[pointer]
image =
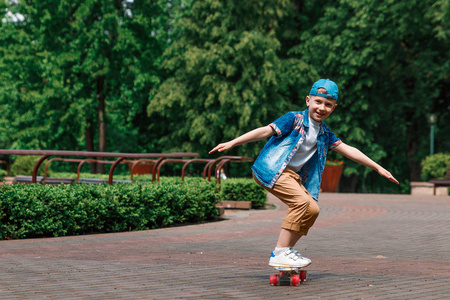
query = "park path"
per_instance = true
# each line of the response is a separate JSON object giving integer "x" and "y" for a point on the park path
{"x": 363, "y": 246}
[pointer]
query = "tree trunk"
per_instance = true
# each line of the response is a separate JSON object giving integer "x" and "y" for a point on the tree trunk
{"x": 412, "y": 148}
{"x": 101, "y": 121}
{"x": 89, "y": 135}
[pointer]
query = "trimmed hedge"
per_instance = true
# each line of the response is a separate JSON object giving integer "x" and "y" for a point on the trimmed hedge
{"x": 243, "y": 189}
{"x": 35, "y": 210}
{"x": 236, "y": 189}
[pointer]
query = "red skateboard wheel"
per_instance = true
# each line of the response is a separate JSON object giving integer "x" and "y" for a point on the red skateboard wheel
{"x": 295, "y": 280}
{"x": 274, "y": 280}
{"x": 303, "y": 275}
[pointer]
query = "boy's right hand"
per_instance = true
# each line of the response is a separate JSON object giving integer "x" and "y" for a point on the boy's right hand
{"x": 221, "y": 147}
{"x": 251, "y": 136}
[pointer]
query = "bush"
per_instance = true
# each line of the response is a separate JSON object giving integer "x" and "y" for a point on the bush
{"x": 243, "y": 189}
{"x": 435, "y": 166}
{"x": 35, "y": 210}
{"x": 24, "y": 165}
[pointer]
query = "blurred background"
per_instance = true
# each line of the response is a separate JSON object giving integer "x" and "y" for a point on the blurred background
{"x": 169, "y": 75}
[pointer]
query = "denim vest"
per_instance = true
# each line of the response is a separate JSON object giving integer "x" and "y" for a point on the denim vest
{"x": 290, "y": 132}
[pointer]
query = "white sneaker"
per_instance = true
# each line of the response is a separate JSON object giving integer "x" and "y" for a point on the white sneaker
{"x": 289, "y": 259}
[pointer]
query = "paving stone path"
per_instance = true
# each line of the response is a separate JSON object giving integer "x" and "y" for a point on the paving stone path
{"x": 363, "y": 246}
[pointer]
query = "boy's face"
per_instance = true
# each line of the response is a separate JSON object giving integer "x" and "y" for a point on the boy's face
{"x": 320, "y": 107}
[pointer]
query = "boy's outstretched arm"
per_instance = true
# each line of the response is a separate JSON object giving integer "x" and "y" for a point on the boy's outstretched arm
{"x": 359, "y": 157}
{"x": 251, "y": 136}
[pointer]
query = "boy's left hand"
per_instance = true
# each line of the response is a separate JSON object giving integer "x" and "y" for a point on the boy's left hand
{"x": 385, "y": 173}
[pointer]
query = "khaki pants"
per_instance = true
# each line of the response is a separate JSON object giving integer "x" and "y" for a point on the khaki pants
{"x": 303, "y": 209}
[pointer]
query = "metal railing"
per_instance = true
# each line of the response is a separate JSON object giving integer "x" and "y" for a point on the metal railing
{"x": 45, "y": 154}
{"x": 157, "y": 160}
{"x": 220, "y": 161}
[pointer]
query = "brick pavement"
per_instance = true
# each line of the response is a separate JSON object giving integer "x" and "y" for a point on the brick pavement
{"x": 363, "y": 246}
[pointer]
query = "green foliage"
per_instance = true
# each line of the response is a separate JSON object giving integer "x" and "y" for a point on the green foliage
{"x": 243, "y": 189}
{"x": 385, "y": 58}
{"x": 64, "y": 58}
{"x": 24, "y": 165}
{"x": 186, "y": 75}
{"x": 225, "y": 75}
{"x": 435, "y": 166}
{"x": 35, "y": 210}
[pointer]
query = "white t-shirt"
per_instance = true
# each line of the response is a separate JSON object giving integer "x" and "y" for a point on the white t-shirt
{"x": 307, "y": 148}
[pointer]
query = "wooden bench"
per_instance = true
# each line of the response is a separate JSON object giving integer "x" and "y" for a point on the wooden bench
{"x": 441, "y": 182}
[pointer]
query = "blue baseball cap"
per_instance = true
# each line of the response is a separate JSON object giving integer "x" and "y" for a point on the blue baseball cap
{"x": 330, "y": 86}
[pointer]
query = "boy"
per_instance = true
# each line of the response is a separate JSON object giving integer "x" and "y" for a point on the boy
{"x": 290, "y": 165}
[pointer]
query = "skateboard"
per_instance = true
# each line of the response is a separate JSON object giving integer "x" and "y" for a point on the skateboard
{"x": 288, "y": 276}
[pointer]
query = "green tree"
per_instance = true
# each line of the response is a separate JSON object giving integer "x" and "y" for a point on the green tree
{"x": 225, "y": 76}
{"x": 388, "y": 62}
{"x": 439, "y": 14}
{"x": 185, "y": 75}
{"x": 72, "y": 66}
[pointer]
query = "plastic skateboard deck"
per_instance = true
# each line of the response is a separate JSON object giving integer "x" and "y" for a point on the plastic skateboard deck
{"x": 288, "y": 276}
